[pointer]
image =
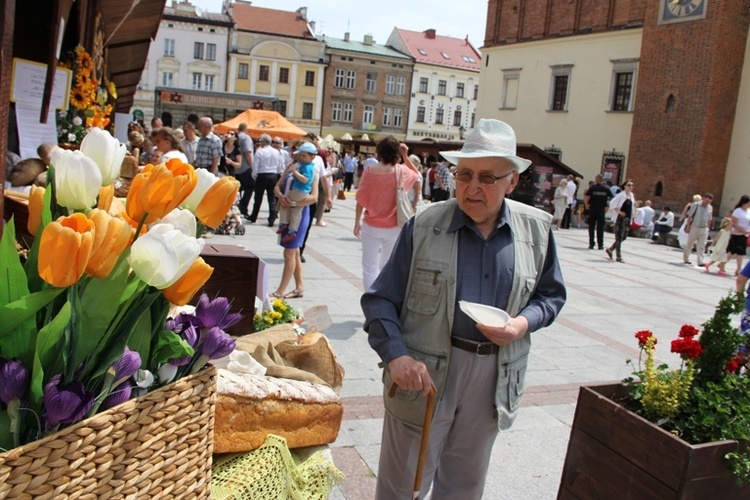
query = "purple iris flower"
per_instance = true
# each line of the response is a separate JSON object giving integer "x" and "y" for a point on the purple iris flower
{"x": 118, "y": 395}
{"x": 215, "y": 312}
{"x": 127, "y": 365}
{"x": 65, "y": 404}
{"x": 217, "y": 344}
{"x": 14, "y": 380}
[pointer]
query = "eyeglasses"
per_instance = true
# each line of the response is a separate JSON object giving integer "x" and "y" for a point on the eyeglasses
{"x": 485, "y": 179}
{"x": 276, "y": 142}
{"x": 629, "y": 184}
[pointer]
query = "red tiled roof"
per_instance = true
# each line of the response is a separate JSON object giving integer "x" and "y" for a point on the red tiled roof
{"x": 262, "y": 20}
{"x": 460, "y": 52}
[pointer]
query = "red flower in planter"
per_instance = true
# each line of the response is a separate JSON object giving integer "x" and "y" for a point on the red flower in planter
{"x": 687, "y": 347}
{"x": 688, "y": 331}
{"x": 735, "y": 364}
{"x": 643, "y": 337}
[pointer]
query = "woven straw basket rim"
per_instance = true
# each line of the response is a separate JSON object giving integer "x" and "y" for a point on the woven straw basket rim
{"x": 156, "y": 446}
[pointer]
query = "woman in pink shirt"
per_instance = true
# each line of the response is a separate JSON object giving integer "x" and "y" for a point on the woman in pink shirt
{"x": 376, "y": 198}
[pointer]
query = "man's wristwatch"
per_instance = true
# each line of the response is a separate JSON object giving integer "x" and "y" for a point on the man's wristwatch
{"x": 293, "y": 203}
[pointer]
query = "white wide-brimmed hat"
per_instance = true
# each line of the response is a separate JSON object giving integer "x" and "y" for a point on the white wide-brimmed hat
{"x": 490, "y": 138}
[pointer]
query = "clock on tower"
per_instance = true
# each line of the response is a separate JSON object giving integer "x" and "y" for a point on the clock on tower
{"x": 674, "y": 11}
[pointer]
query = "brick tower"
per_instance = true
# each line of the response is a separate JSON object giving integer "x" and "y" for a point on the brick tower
{"x": 689, "y": 74}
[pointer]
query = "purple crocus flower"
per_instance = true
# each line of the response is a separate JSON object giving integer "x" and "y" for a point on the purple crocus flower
{"x": 127, "y": 365}
{"x": 14, "y": 380}
{"x": 118, "y": 395}
{"x": 216, "y": 344}
{"x": 215, "y": 312}
{"x": 189, "y": 332}
{"x": 65, "y": 404}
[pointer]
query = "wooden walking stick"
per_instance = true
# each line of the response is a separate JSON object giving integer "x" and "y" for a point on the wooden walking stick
{"x": 426, "y": 424}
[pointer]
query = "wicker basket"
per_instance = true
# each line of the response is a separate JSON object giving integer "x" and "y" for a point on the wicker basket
{"x": 155, "y": 446}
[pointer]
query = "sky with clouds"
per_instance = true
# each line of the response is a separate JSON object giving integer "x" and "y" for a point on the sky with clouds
{"x": 336, "y": 17}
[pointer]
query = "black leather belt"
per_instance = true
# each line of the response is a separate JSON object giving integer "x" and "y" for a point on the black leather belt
{"x": 478, "y": 348}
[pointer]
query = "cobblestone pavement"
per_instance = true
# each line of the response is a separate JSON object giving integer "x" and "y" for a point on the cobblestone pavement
{"x": 588, "y": 344}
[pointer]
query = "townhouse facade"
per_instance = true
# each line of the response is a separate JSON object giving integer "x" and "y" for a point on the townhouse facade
{"x": 657, "y": 91}
{"x": 445, "y": 84}
{"x": 366, "y": 89}
{"x": 186, "y": 66}
{"x": 275, "y": 55}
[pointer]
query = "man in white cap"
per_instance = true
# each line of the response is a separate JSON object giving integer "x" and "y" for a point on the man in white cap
{"x": 481, "y": 248}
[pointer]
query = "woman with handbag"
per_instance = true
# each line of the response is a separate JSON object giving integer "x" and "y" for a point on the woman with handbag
{"x": 382, "y": 189}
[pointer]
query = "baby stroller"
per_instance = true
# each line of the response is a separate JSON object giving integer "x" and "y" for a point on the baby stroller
{"x": 231, "y": 223}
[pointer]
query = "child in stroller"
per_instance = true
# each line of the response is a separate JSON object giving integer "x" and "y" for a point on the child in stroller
{"x": 232, "y": 222}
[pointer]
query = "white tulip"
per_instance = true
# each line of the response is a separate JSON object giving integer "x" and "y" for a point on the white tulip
{"x": 167, "y": 373}
{"x": 182, "y": 220}
{"x": 144, "y": 379}
{"x": 106, "y": 151}
{"x": 161, "y": 256}
{"x": 205, "y": 180}
{"x": 77, "y": 179}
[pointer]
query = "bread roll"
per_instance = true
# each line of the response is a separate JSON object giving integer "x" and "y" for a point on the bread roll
{"x": 249, "y": 407}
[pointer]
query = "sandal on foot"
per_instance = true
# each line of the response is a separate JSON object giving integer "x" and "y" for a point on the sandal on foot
{"x": 274, "y": 295}
{"x": 295, "y": 294}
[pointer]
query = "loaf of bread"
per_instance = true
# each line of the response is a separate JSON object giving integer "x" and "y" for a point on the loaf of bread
{"x": 249, "y": 407}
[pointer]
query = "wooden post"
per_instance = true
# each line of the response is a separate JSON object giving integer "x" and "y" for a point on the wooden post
{"x": 7, "y": 20}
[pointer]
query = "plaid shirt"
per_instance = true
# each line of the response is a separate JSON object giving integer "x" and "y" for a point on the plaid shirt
{"x": 208, "y": 148}
{"x": 444, "y": 174}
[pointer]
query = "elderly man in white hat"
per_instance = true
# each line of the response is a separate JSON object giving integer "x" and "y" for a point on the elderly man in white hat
{"x": 436, "y": 316}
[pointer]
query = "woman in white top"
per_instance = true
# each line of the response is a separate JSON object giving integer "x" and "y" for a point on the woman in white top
{"x": 167, "y": 146}
{"x": 560, "y": 202}
{"x": 623, "y": 206}
{"x": 738, "y": 233}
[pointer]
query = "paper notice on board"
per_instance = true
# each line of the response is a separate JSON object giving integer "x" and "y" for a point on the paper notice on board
{"x": 28, "y": 82}
{"x": 31, "y": 133}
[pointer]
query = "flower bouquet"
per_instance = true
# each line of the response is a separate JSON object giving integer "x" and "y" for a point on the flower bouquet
{"x": 84, "y": 319}
{"x": 89, "y": 102}
{"x": 281, "y": 312}
{"x": 707, "y": 398}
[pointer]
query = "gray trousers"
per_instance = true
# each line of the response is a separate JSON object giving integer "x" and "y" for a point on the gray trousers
{"x": 461, "y": 438}
{"x": 697, "y": 236}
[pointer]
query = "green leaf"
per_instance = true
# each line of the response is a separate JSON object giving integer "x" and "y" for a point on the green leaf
{"x": 6, "y": 438}
{"x": 140, "y": 339}
{"x": 47, "y": 358}
{"x": 15, "y": 313}
{"x": 136, "y": 325}
{"x": 99, "y": 306}
{"x": 12, "y": 276}
{"x": 18, "y": 329}
{"x": 169, "y": 345}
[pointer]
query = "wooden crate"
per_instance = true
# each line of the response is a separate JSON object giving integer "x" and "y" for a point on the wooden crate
{"x": 235, "y": 276}
{"x": 18, "y": 208}
{"x": 614, "y": 453}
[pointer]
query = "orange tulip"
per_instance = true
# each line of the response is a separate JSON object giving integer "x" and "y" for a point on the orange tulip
{"x": 159, "y": 189}
{"x": 65, "y": 249}
{"x": 217, "y": 201}
{"x": 106, "y": 195}
{"x": 111, "y": 237}
{"x": 36, "y": 204}
{"x": 181, "y": 291}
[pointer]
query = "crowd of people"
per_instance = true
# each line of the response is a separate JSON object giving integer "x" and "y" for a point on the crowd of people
{"x": 411, "y": 264}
